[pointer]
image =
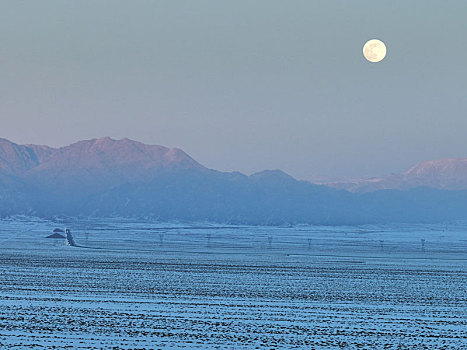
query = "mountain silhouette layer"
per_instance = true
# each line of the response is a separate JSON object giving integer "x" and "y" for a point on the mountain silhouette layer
{"x": 106, "y": 177}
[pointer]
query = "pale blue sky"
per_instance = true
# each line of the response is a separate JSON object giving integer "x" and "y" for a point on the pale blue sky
{"x": 241, "y": 85}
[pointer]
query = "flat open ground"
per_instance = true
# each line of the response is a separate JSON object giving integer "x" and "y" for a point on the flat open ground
{"x": 149, "y": 285}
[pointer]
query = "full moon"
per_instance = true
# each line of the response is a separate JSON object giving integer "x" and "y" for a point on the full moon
{"x": 374, "y": 50}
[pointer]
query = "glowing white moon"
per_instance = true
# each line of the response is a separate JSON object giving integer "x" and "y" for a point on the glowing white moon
{"x": 374, "y": 50}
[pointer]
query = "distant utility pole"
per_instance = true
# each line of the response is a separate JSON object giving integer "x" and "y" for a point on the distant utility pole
{"x": 161, "y": 238}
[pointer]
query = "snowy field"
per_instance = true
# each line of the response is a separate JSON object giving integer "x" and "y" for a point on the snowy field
{"x": 147, "y": 285}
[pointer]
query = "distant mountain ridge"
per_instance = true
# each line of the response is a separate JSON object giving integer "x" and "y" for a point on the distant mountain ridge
{"x": 98, "y": 162}
{"x": 106, "y": 177}
{"x": 441, "y": 174}
{"x": 21, "y": 160}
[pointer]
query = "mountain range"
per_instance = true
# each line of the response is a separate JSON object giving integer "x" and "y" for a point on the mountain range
{"x": 106, "y": 177}
{"x": 442, "y": 174}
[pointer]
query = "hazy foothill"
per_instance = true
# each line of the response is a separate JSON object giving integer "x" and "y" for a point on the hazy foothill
{"x": 106, "y": 177}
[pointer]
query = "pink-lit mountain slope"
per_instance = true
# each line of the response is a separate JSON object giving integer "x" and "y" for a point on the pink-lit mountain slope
{"x": 102, "y": 163}
{"x": 442, "y": 174}
{"x": 16, "y": 159}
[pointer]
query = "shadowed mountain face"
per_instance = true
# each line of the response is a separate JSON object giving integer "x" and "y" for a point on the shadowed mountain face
{"x": 442, "y": 174}
{"x": 106, "y": 177}
{"x": 14, "y": 195}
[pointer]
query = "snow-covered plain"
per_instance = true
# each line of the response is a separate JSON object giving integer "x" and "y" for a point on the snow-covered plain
{"x": 149, "y": 285}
